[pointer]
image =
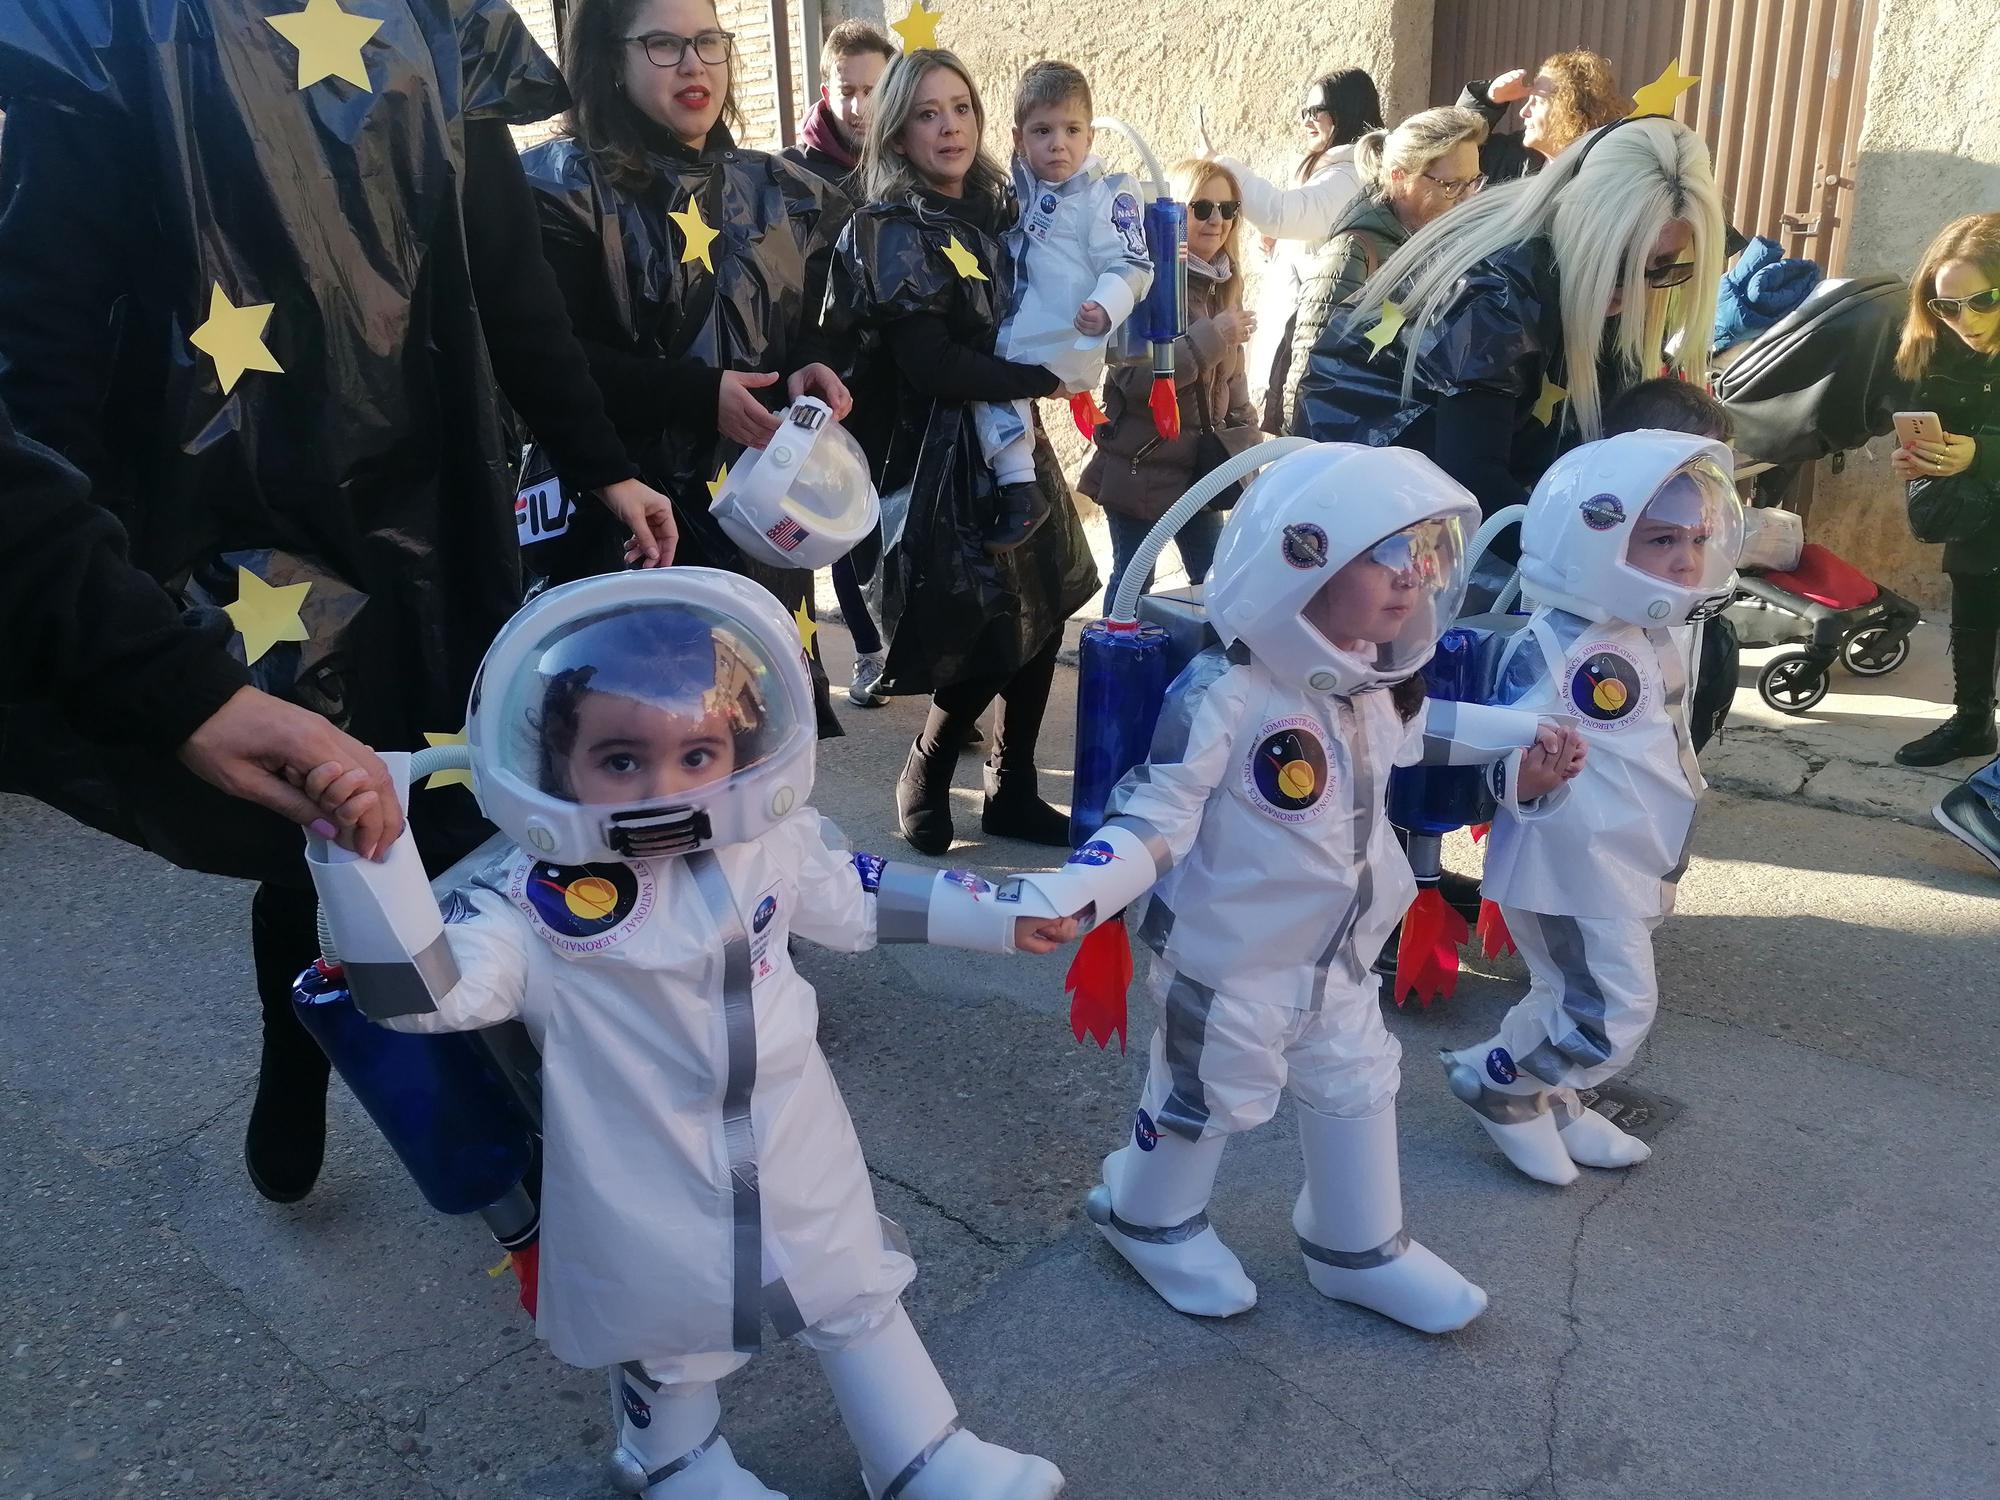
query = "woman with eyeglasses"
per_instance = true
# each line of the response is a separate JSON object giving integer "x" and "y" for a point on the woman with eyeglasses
{"x": 1133, "y": 472}
{"x": 1950, "y": 351}
{"x": 1425, "y": 166}
{"x": 1495, "y": 336}
{"x": 1293, "y": 221}
{"x": 694, "y": 269}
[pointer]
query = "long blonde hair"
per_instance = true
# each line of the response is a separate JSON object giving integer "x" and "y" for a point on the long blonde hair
{"x": 1601, "y": 205}
{"x": 886, "y": 174}
{"x": 1187, "y": 177}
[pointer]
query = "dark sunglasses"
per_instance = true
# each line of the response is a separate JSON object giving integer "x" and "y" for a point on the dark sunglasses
{"x": 1310, "y": 114}
{"x": 1953, "y": 308}
{"x": 1229, "y": 208}
{"x": 1455, "y": 188}
{"x": 1678, "y": 274}
{"x": 665, "y": 50}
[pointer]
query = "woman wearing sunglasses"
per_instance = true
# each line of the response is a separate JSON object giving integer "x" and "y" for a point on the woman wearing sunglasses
{"x": 1410, "y": 175}
{"x": 1133, "y": 472}
{"x": 1337, "y": 111}
{"x": 1950, "y": 350}
{"x": 694, "y": 270}
{"x": 1495, "y": 336}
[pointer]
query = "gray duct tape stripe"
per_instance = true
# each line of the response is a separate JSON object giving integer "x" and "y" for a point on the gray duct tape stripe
{"x": 1151, "y": 837}
{"x": 1565, "y": 1106}
{"x": 783, "y": 1308}
{"x": 1587, "y": 1045}
{"x": 903, "y": 904}
{"x": 1367, "y": 804}
{"x": 1440, "y": 731}
{"x": 1508, "y": 1109}
{"x": 1185, "y": 1035}
{"x": 674, "y": 1466}
{"x": 637, "y": 1371}
{"x": 915, "y": 1466}
{"x": 410, "y": 988}
{"x": 1357, "y": 1260}
{"x": 1156, "y": 925}
{"x": 1171, "y": 1234}
{"x": 739, "y": 1134}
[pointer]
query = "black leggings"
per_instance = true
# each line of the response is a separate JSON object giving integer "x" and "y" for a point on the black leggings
{"x": 854, "y": 607}
{"x": 1025, "y": 697}
{"x": 1975, "y": 639}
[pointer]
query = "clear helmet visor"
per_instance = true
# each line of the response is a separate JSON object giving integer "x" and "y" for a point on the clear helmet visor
{"x": 832, "y": 489}
{"x": 1389, "y": 604}
{"x": 646, "y": 703}
{"x": 1691, "y": 532}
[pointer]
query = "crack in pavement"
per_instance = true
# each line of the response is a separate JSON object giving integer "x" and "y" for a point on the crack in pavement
{"x": 946, "y": 1214}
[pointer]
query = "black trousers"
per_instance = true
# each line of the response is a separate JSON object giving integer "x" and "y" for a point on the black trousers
{"x": 1024, "y": 696}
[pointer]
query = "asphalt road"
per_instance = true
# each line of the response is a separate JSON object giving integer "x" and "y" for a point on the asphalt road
{"x": 1795, "y": 1298}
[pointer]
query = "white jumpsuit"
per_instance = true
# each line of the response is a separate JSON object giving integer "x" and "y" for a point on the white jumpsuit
{"x": 701, "y": 1174}
{"x": 1078, "y": 241}
{"x": 1583, "y": 885}
{"x": 1285, "y": 880}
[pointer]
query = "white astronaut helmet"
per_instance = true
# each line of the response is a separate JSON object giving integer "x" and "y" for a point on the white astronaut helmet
{"x": 805, "y": 499}
{"x": 641, "y": 714}
{"x": 1644, "y": 527}
{"x": 1304, "y": 519}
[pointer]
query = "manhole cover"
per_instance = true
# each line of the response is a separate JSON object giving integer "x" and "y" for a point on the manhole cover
{"x": 1632, "y": 1110}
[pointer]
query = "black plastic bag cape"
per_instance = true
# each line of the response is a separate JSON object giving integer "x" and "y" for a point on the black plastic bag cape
{"x": 1502, "y": 332}
{"x": 950, "y": 611}
{"x": 371, "y": 465}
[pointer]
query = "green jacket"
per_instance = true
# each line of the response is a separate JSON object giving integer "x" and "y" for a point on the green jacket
{"x": 1367, "y": 234}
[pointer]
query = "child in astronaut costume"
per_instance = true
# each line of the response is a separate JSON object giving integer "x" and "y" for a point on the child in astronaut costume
{"x": 1626, "y": 541}
{"x": 1258, "y": 823}
{"x": 1080, "y": 268}
{"x": 647, "y": 739}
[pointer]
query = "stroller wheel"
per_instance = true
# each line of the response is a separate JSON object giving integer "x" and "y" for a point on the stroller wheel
{"x": 1791, "y": 683}
{"x": 1870, "y": 653}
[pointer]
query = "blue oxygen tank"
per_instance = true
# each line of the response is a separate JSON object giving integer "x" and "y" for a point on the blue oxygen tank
{"x": 1162, "y": 317}
{"x": 1430, "y": 801}
{"x": 439, "y": 1099}
{"x": 1121, "y": 683}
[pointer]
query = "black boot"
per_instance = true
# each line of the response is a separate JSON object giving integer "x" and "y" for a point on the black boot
{"x": 1015, "y": 810}
{"x": 286, "y": 1140}
{"x": 1021, "y": 510}
{"x": 1969, "y": 731}
{"x": 923, "y": 791}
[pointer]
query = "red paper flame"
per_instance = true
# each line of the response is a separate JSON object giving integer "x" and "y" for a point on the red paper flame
{"x": 1087, "y": 414}
{"x": 1427, "y": 956}
{"x": 1098, "y": 979}
{"x": 1494, "y": 938}
{"x": 1166, "y": 404}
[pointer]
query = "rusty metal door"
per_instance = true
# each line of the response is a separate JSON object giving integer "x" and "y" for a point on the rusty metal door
{"x": 1783, "y": 83}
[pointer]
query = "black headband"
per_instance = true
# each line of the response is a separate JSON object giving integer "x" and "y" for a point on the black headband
{"x": 1599, "y": 134}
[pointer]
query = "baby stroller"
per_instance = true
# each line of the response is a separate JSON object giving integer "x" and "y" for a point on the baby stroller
{"x": 1817, "y": 383}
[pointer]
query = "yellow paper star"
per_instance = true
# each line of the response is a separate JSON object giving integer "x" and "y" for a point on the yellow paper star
{"x": 963, "y": 261}
{"x": 918, "y": 28}
{"x": 1383, "y": 334}
{"x": 461, "y": 777}
{"x": 1552, "y": 396}
{"x": 234, "y": 338}
{"x": 695, "y": 230}
{"x": 808, "y": 627}
{"x": 329, "y": 42}
{"x": 715, "y": 485}
{"x": 1657, "y": 97}
{"x": 264, "y": 615}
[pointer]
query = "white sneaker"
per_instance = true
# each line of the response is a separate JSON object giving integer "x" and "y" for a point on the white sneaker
{"x": 861, "y": 687}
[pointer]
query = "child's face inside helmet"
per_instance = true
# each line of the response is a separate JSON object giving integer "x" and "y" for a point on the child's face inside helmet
{"x": 1675, "y": 537}
{"x": 1370, "y": 600}
{"x": 629, "y": 751}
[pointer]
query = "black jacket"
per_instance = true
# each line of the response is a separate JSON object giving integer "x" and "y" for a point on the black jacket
{"x": 951, "y": 612}
{"x": 1963, "y": 388}
{"x": 180, "y": 163}
{"x": 1502, "y": 156}
{"x": 1366, "y": 234}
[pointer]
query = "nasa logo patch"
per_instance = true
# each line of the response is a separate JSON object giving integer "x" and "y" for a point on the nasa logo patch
{"x": 869, "y": 867}
{"x": 1304, "y": 545}
{"x": 583, "y": 909}
{"x": 1500, "y": 1066}
{"x": 979, "y": 885}
{"x": 1048, "y": 203}
{"x": 1287, "y": 774}
{"x": 1145, "y": 1134}
{"x": 637, "y": 1412}
{"x": 1603, "y": 512}
{"x": 1096, "y": 852}
{"x": 766, "y": 909}
{"x": 1605, "y": 687}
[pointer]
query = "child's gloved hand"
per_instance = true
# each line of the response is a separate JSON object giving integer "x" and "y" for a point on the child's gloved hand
{"x": 1092, "y": 320}
{"x": 1043, "y": 934}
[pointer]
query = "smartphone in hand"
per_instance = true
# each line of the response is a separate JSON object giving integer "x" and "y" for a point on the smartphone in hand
{"x": 1918, "y": 427}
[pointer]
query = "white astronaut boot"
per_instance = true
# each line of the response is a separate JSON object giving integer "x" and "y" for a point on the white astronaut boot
{"x": 1349, "y": 1220}
{"x": 905, "y": 1427}
{"x": 1516, "y": 1111}
{"x": 671, "y": 1447}
{"x": 1153, "y": 1208}
{"x": 1590, "y": 1139}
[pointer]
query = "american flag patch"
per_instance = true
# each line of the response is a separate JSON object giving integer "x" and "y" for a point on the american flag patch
{"x": 787, "y": 534}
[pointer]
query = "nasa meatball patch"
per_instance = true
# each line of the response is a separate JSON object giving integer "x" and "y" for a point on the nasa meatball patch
{"x": 1605, "y": 687}
{"x": 1304, "y": 545}
{"x": 1288, "y": 771}
{"x": 1603, "y": 512}
{"x": 583, "y": 909}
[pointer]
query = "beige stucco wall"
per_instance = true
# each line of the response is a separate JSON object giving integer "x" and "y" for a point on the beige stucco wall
{"x": 1930, "y": 151}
